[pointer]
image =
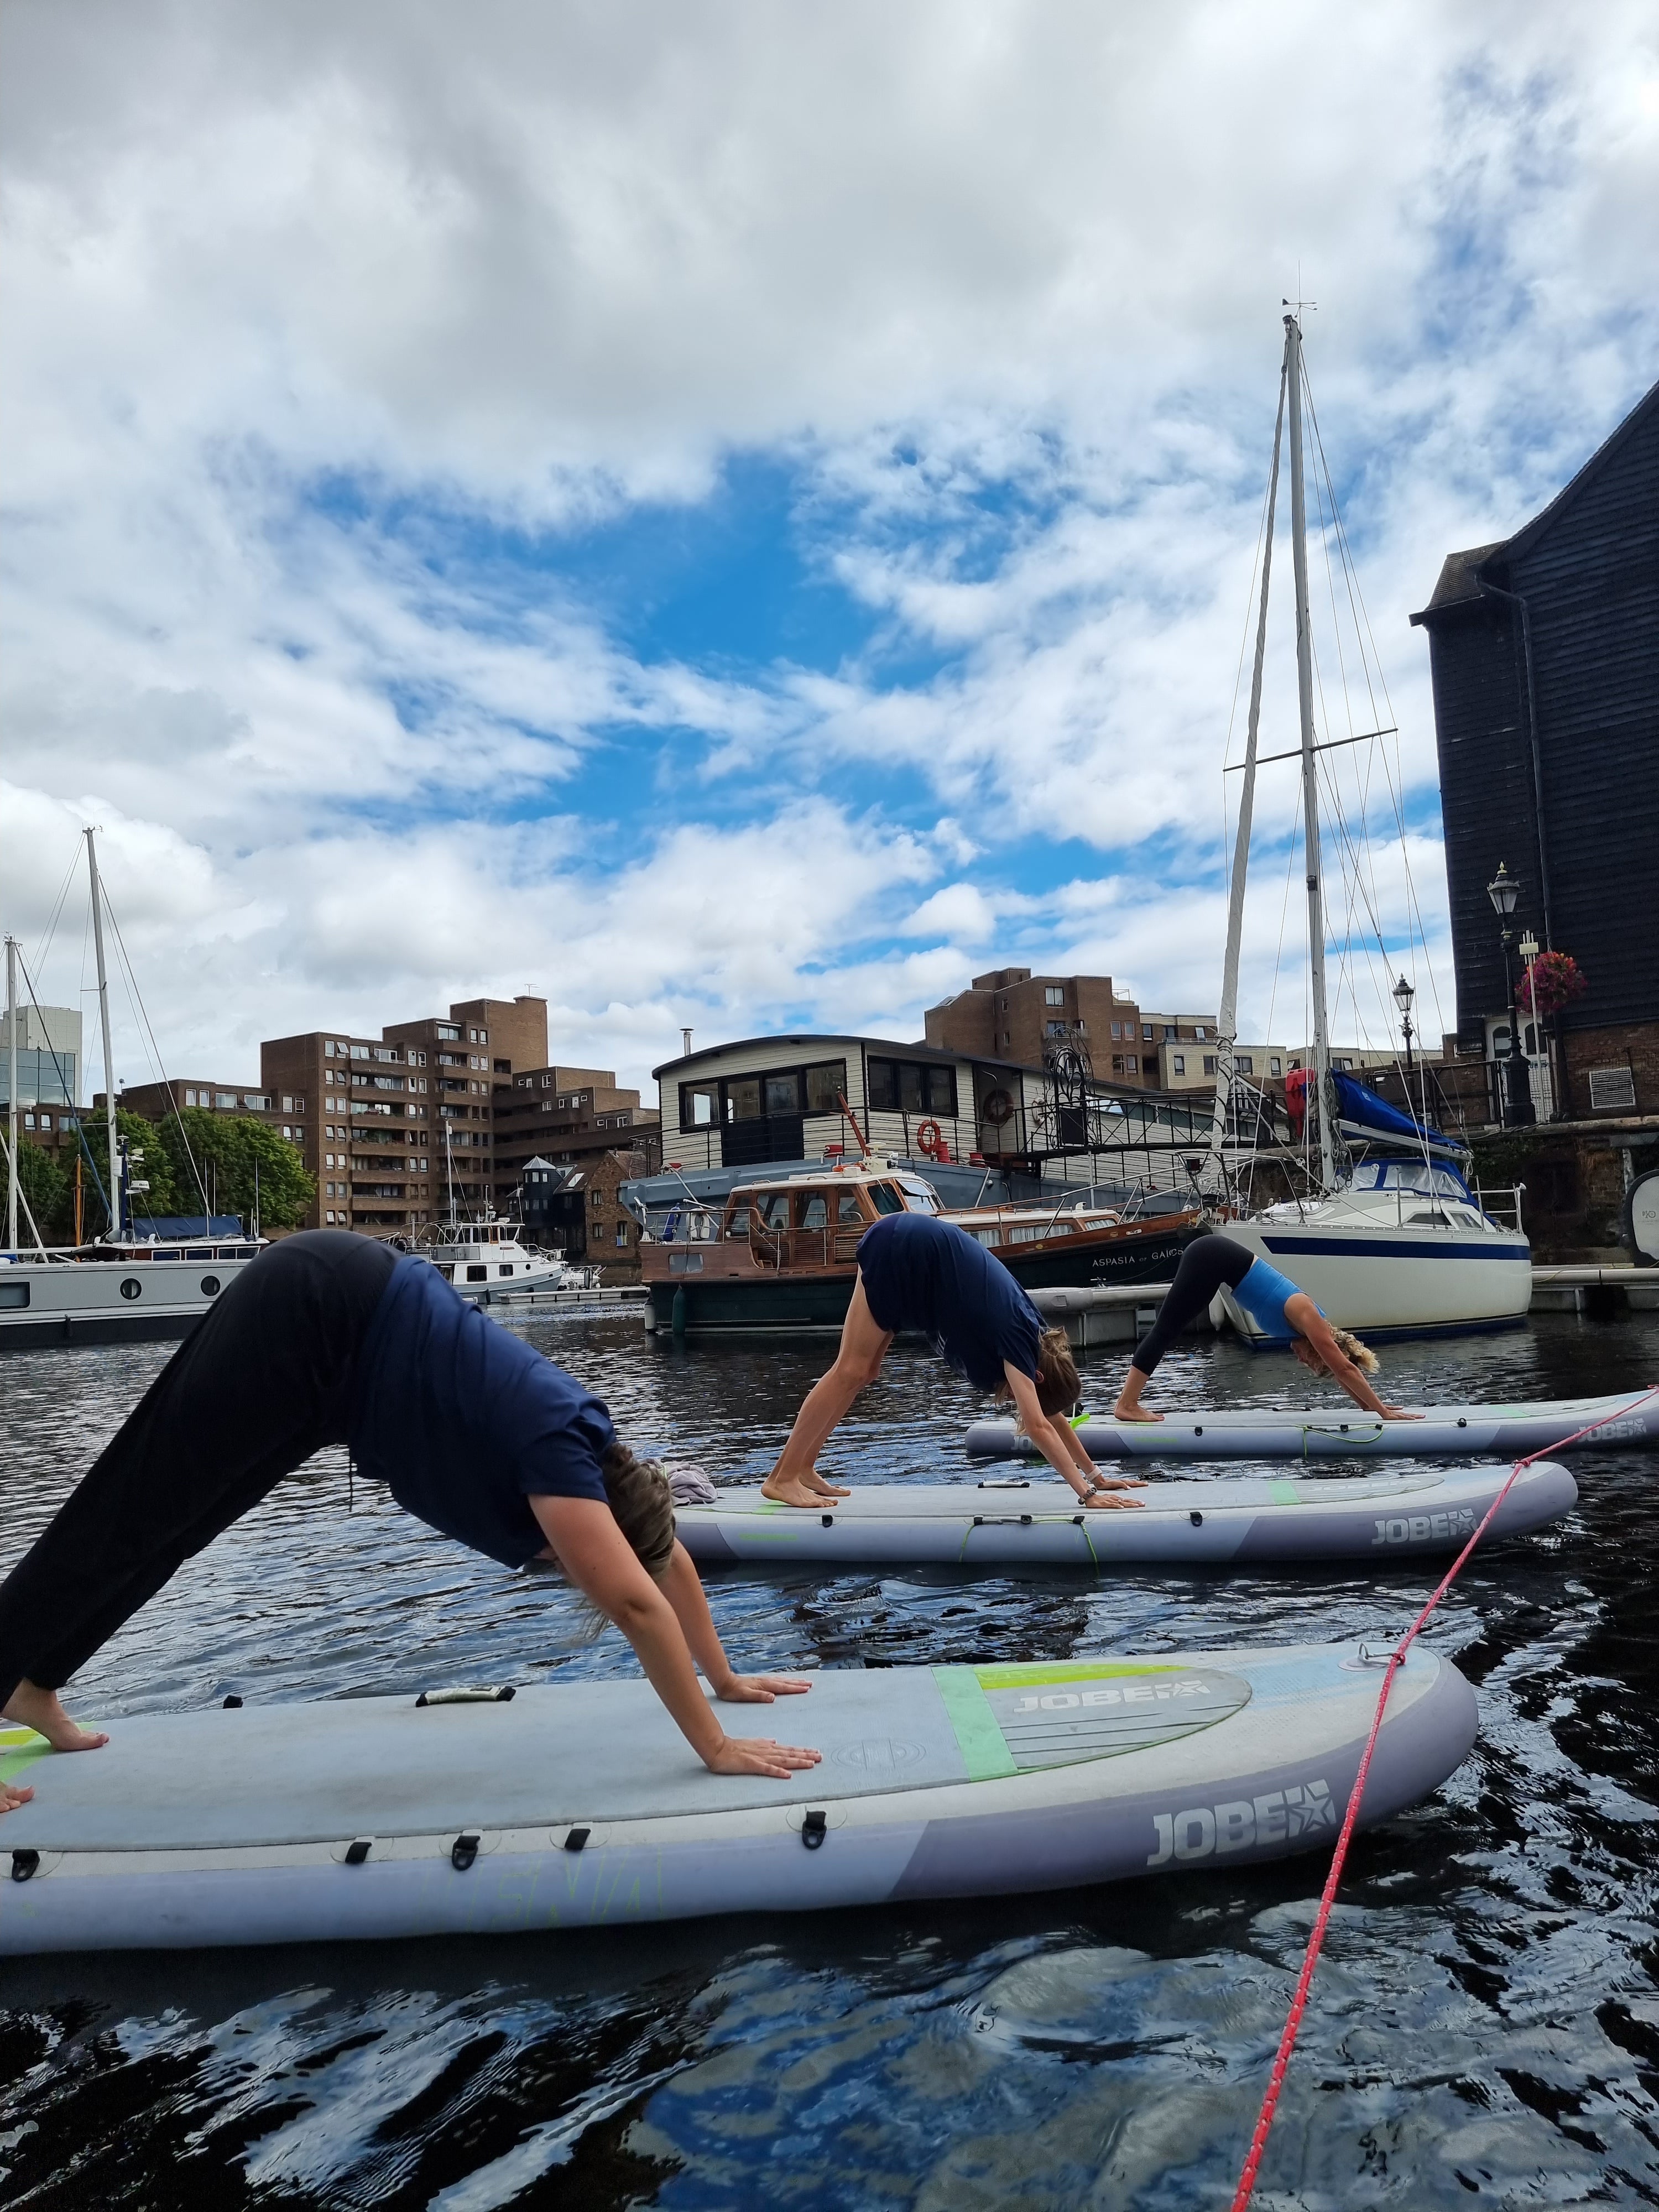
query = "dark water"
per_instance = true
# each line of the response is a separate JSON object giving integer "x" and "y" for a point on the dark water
{"x": 1484, "y": 2024}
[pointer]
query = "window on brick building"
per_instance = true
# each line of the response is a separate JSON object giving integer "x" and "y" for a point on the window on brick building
{"x": 1053, "y": 995}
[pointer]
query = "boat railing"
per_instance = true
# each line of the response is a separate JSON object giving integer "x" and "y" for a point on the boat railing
{"x": 1502, "y": 1206}
{"x": 783, "y": 1248}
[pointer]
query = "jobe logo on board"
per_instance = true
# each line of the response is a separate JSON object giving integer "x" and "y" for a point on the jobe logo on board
{"x": 1426, "y": 1528}
{"x": 1278, "y": 1816}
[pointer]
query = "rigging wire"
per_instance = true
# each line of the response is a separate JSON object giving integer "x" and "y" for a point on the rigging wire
{"x": 45, "y": 945}
{"x": 153, "y": 1053}
{"x": 1396, "y": 782}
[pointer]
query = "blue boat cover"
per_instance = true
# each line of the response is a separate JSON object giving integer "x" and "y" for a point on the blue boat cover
{"x": 1366, "y": 1112}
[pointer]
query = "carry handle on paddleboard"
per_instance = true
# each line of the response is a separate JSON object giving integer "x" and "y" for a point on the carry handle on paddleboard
{"x": 502, "y": 1693}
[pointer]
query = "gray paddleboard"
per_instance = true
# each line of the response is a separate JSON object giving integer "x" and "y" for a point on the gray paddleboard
{"x": 581, "y": 1806}
{"x": 1512, "y": 1431}
{"x": 1223, "y": 1520}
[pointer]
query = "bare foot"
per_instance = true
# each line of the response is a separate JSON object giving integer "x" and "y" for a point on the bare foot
{"x": 1121, "y": 1413}
{"x": 814, "y": 1480}
{"x": 41, "y": 1710}
{"x": 11, "y": 1796}
{"x": 794, "y": 1490}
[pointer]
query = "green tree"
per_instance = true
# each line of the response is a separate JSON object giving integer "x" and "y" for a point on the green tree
{"x": 147, "y": 1160}
{"x": 45, "y": 1187}
{"x": 227, "y": 1150}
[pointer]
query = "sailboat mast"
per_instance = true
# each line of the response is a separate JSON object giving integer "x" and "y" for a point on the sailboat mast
{"x": 11, "y": 1094}
{"x": 1318, "y": 1089}
{"x": 116, "y": 1207}
{"x": 1212, "y": 1177}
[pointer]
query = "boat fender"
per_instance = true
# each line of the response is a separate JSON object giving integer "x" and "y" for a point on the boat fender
{"x": 813, "y": 1829}
{"x": 358, "y": 1850}
{"x": 577, "y": 1838}
{"x": 464, "y": 1849}
{"x": 231, "y": 1702}
{"x": 27, "y": 1864}
{"x": 501, "y": 1693}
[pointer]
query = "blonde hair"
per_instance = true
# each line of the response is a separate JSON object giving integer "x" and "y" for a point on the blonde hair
{"x": 1361, "y": 1354}
{"x": 643, "y": 1505}
{"x": 1058, "y": 1386}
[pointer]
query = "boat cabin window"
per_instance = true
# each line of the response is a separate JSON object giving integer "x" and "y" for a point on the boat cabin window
{"x": 778, "y": 1094}
{"x": 478, "y": 1274}
{"x": 826, "y": 1084}
{"x": 742, "y": 1099}
{"x": 910, "y": 1086}
{"x": 919, "y": 1196}
{"x": 814, "y": 1211}
{"x": 848, "y": 1209}
{"x": 885, "y": 1198}
{"x": 738, "y": 1225}
{"x": 772, "y": 1211}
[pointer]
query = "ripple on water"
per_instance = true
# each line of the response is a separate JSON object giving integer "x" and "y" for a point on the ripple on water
{"x": 1484, "y": 2024}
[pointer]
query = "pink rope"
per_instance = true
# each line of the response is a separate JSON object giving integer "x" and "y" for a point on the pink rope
{"x": 1246, "y": 2188}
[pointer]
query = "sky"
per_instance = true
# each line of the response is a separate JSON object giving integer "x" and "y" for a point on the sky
{"x": 741, "y": 516}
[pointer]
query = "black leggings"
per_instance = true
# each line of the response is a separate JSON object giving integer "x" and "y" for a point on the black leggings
{"x": 1205, "y": 1265}
{"x": 264, "y": 1382}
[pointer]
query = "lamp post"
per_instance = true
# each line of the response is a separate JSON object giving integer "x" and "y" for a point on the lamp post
{"x": 1528, "y": 949}
{"x": 1403, "y": 996}
{"x": 1504, "y": 891}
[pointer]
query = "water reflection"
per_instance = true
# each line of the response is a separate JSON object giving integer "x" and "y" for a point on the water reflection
{"x": 1485, "y": 2021}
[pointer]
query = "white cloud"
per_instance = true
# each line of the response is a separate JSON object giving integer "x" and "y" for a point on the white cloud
{"x": 310, "y": 310}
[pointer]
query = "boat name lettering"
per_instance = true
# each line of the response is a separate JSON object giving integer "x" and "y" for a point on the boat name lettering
{"x": 1124, "y": 1694}
{"x": 1278, "y": 1816}
{"x": 1421, "y": 1527}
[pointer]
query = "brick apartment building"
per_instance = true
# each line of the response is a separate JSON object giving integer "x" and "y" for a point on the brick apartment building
{"x": 384, "y": 1122}
{"x": 1011, "y": 1014}
{"x": 567, "y": 1117}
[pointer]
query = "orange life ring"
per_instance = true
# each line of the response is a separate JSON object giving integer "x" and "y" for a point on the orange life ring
{"x": 998, "y": 1107}
{"x": 930, "y": 1137}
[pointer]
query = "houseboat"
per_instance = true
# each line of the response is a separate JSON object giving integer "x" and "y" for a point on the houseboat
{"x": 782, "y": 1253}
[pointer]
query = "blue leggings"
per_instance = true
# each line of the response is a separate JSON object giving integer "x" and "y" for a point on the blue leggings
{"x": 1205, "y": 1265}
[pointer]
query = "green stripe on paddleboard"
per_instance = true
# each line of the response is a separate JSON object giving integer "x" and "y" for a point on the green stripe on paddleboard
{"x": 20, "y": 1747}
{"x": 1019, "y": 1676}
{"x": 1284, "y": 1493}
{"x": 984, "y": 1753}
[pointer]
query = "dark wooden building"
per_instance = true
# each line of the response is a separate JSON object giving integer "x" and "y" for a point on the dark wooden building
{"x": 1544, "y": 652}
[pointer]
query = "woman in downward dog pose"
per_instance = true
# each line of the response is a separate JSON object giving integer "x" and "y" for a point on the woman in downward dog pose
{"x": 1283, "y": 1313}
{"x": 330, "y": 1339}
{"x": 916, "y": 1273}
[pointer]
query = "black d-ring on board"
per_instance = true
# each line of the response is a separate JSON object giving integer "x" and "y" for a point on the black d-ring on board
{"x": 814, "y": 1828}
{"x": 464, "y": 1849}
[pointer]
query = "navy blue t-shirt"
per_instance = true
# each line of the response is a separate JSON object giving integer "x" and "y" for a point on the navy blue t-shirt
{"x": 928, "y": 1275}
{"x": 464, "y": 1422}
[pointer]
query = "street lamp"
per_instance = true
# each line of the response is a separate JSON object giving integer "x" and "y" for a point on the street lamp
{"x": 1504, "y": 891}
{"x": 1403, "y": 996}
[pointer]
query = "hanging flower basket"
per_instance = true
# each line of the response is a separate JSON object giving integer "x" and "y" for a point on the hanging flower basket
{"x": 1554, "y": 980}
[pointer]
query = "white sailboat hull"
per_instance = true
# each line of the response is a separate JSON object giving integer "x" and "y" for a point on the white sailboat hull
{"x": 132, "y": 1299}
{"x": 1384, "y": 1279}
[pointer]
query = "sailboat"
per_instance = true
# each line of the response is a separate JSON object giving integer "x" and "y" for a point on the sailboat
{"x": 1392, "y": 1239}
{"x": 120, "y": 1288}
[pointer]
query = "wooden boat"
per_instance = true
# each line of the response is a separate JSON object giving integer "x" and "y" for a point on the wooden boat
{"x": 783, "y": 1255}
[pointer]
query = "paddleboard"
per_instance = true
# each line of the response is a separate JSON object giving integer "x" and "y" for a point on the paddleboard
{"x": 1222, "y": 1521}
{"x": 582, "y": 1806}
{"x": 1270, "y": 1432}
